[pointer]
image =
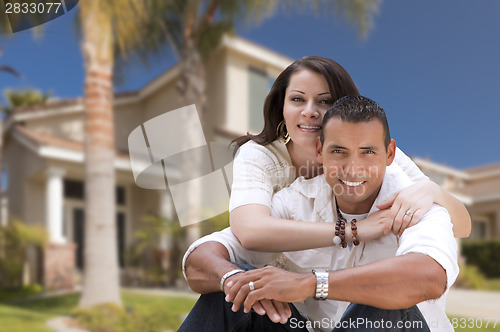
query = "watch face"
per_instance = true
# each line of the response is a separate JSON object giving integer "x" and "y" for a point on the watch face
{"x": 319, "y": 270}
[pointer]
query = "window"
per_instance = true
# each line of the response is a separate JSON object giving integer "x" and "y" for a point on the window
{"x": 120, "y": 195}
{"x": 5, "y": 179}
{"x": 259, "y": 85}
{"x": 479, "y": 229}
{"x": 75, "y": 189}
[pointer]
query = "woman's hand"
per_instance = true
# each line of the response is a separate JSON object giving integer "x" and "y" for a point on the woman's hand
{"x": 415, "y": 200}
{"x": 374, "y": 226}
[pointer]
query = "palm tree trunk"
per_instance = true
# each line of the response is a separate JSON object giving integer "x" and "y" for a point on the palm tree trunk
{"x": 101, "y": 279}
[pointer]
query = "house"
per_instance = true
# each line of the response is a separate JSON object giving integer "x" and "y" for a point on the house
{"x": 44, "y": 149}
{"x": 44, "y": 156}
{"x": 478, "y": 188}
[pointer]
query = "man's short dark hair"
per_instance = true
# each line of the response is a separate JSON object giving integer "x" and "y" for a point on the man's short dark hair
{"x": 356, "y": 109}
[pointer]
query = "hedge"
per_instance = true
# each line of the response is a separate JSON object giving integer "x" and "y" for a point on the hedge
{"x": 485, "y": 254}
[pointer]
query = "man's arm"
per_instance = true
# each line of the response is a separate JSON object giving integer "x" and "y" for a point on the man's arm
{"x": 426, "y": 264}
{"x": 391, "y": 283}
{"x": 205, "y": 266}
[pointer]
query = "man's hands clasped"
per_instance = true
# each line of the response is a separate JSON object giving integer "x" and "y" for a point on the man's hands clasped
{"x": 269, "y": 283}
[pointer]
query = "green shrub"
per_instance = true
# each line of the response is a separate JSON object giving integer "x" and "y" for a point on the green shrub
{"x": 16, "y": 294}
{"x": 470, "y": 277}
{"x": 485, "y": 254}
{"x": 113, "y": 318}
{"x": 15, "y": 239}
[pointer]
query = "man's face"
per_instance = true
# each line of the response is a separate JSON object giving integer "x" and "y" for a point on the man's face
{"x": 354, "y": 159}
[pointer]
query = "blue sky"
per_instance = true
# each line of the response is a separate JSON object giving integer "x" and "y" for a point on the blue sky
{"x": 433, "y": 65}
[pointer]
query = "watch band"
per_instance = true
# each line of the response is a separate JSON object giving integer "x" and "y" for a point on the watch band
{"x": 227, "y": 275}
{"x": 321, "y": 284}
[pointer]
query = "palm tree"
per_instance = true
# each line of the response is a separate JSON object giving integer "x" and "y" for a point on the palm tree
{"x": 104, "y": 25}
{"x": 3, "y": 112}
{"x": 192, "y": 29}
{"x": 25, "y": 97}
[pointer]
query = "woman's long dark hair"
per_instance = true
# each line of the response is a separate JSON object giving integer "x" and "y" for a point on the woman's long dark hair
{"x": 339, "y": 83}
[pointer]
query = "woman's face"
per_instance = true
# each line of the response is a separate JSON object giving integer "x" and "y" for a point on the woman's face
{"x": 307, "y": 99}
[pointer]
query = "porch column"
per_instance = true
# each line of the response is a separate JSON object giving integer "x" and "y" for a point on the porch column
{"x": 59, "y": 256}
{"x": 54, "y": 196}
{"x": 168, "y": 254}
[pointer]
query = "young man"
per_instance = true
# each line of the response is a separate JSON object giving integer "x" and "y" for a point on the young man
{"x": 355, "y": 149}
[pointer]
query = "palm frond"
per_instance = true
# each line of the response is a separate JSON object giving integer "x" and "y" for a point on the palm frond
{"x": 10, "y": 70}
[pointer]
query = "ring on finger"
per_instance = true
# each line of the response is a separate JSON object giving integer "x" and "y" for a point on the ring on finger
{"x": 251, "y": 285}
{"x": 409, "y": 213}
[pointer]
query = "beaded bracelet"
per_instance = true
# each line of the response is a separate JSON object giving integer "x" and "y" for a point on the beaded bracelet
{"x": 340, "y": 233}
{"x": 354, "y": 230}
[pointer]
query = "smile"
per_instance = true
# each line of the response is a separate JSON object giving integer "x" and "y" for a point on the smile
{"x": 309, "y": 127}
{"x": 352, "y": 184}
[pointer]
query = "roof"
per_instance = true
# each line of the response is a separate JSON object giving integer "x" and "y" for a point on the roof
{"x": 476, "y": 189}
{"x": 54, "y": 147}
{"x": 485, "y": 171}
{"x": 237, "y": 44}
{"x": 56, "y": 104}
{"x": 41, "y": 139}
{"x": 479, "y": 192}
{"x": 471, "y": 174}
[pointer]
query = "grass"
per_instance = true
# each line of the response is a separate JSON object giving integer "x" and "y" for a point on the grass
{"x": 471, "y": 324}
{"x": 31, "y": 315}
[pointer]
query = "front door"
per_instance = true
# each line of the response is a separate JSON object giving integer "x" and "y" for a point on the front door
{"x": 79, "y": 236}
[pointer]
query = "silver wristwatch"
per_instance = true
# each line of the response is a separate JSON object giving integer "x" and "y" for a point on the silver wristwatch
{"x": 321, "y": 284}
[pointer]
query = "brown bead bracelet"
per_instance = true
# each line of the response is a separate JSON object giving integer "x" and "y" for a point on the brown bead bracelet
{"x": 354, "y": 230}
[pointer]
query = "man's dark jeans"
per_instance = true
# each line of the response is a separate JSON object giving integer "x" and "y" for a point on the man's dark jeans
{"x": 213, "y": 314}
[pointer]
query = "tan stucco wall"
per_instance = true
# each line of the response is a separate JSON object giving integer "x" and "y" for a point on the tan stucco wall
{"x": 34, "y": 202}
{"x": 126, "y": 118}
{"x": 14, "y": 154}
{"x": 163, "y": 100}
{"x": 69, "y": 126}
{"x": 22, "y": 166}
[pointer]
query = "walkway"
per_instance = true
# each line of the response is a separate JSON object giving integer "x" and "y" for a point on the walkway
{"x": 471, "y": 303}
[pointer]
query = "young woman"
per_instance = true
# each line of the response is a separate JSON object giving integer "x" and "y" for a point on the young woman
{"x": 285, "y": 150}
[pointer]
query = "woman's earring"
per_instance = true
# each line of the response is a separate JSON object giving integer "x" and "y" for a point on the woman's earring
{"x": 282, "y": 132}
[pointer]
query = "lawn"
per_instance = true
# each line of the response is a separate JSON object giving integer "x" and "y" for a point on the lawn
{"x": 471, "y": 324}
{"x": 32, "y": 315}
